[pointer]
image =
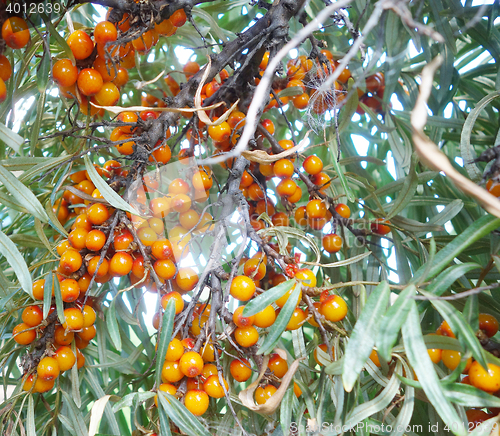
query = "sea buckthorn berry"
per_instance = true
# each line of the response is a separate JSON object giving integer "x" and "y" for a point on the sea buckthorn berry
{"x": 280, "y": 302}
{"x": 171, "y": 372}
{"x": 144, "y": 43}
{"x": 80, "y": 359}
{"x": 278, "y": 365}
{"x": 179, "y": 302}
{"x": 242, "y": 288}
{"x": 191, "y": 363}
{"x": 162, "y": 155}
{"x": 15, "y": 32}
{"x": 300, "y": 216}
{"x": 190, "y": 68}
{"x": 175, "y": 350}
{"x": 3, "y": 96}
{"x": 265, "y": 318}
{"x": 307, "y": 277}
{"x": 87, "y": 333}
{"x": 80, "y": 44}
{"x": 189, "y": 219}
{"x": 324, "y": 348}
{"x": 246, "y": 180}
{"x": 445, "y": 330}
{"x": 178, "y": 186}
{"x": 316, "y": 209}
{"x": 202, "y": 181}
{"x": 167, "y": 388}
{"x": 262, "y": 394}
{"x": 268, "y": 125}
{"x": 162, "y": 249}
{"x": 332, "y": 243}
{"x": 297, "y": 320}
{"x": 95, "y": 240}
{"x": 208, "y": 370}
{"x": 374, "y": 358}
{"x": 334, "y": 308}
{"x": 374, "y": 82}
{"x": 196, "y": 401}
{"x": 63, "y": 338}
{"x": 321, "y": 179}
{"x": 213, "y": 387}
{"x": 255, "y": 269}
{"x": 97, "y": 214}
{"x": 65, "y": 358}
{"x": 296, "y": 196}
{"x": 188, "y": 343}
{"x": 286, "y": 188}
{"x": 313, "y": 165}
{"x": 70, "y": 290}
{"x": 240, "y": 320}
{"x": 255, "y": 193}
{"x": 89, "y": 316}
{"x": 74, "y": 319}
{"x": 283, "y": 168}
{"x": 343, "y": 210}
{"x": 488, "y": 381}
{"x": 22, "y": 335}
{"x": 48, "y": 368}
{"x": 475, "y": 417}
{"x": 121, "y": 77}
{"x": 70, "y": 262}
{"x": 103, "y": 268}
{"x": 108, "y": 95}
{"x": 122, "y": 241}
{"x": 208, "y": 353}
{"x": 105, "y": 69}
{"x": 32, "y": 316}
{"x": 379, "y": 228}
{"x": 493, "y": 187}
{"x": 220, "y": 132}
{"x": 236, "y": 119}
{"x": 246, "y": 336}
{"x": 89, "y": 81}
{"x": 63, "y": 246}
{"x": 64, "y": 73}
{"x": 264, "y": 61}
{"x": 451, "y": 360}
{"x": 178, "y": 18}
{"x": 81, "y": 221}
{"x": 197, "y": 325}
{"x": 240, "y": 369}
{"x": 181, "y": 203}
{"x": 186, "y": 279}
{"x": 120, "y": 264}
{"x": 77, "y": 238}
{"x": 301, "y": 101}
{"x": 84, "y": 282}
{"x": 165, "y": 28}
{"x": 488, "y": 324}
{"x": 104, "y": 32}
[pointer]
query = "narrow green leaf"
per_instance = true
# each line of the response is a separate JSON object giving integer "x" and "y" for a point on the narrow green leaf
{"x": 30, "y": 417}
{"x": 333, "y": 146}
{"x": 126, "y": 401}
{"x": 113, "y": 327}
{"x": 111, "y": 196}
{"x": 350, "y": 106}
{"x": 165, "y": 337}
{"x": 266, "y": 298}
{"x": 59, "y": 301}
{"x": 469, "y": 396}
{"x": 182, "y": 417}
{"x": 16, "y": 261}
{"x": 471, "y": 312}
{"x": 23, "y": 194}
{"x": 407, "y": 190}
{"x": 478, "y": 229}
{"x": 420, "y": 361}
{"x": 47, "y": 294}
{"x": 42, "y": 76}
{"x": 54, "y": 222}
{"x": 393, "y": 321}
{"x": 364, "y": 334}
{"x": 286, "y": 410}
{"x": 164, "y": 421}
{"x": 61, "y": 42}
{"x": 280, "y": 324}
{"x": 75, "y": 415}
{"x": 43, "y": 237}
{"x": 10, "y": 138}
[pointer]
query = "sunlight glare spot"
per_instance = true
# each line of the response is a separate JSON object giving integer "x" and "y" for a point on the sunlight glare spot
{"x": 391, "y": 165}
{"x": 183, "y": 54}
{"x": 448, "y": 110}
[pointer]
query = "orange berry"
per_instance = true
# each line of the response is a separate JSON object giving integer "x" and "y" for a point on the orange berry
{"x": 196, "y": 401}
{"x": 262, "y": 394}
{"x": 89, "y": 81}
{"x": 74, "y": 319}
{"x": 332, "y": 243}
{"x": 246, "y": 336}
{"x": 220, "y": 133}
{"x": 475, "y": 417}
{"x": 15, "y": 32}
{"x": 179, "y": 302}
{"x": 242, "y": 288}
{"x": 95, "y": 240}
{"x": 191, "y": 363}
{"x": 186, "y": 279}
{"x": 145, "y": 42}
{"x": 316, "y": 209}
{"x": 162, "y": 249}
{"x": 22, "y": 335}
{"x": 64, "y": 73}
{"x": 63, "y": 338}
{"x": 283, "y": 168}
{"x": 280, "y": 302}
{"x": 297, "y": 320}
{"x": 120, "y": 264}
{"x": 48, "y": 368}
{"x": 334, "y": 308}
{"x": 103, "y": 268}
{"x": 87, "y": 333}
{"x": 77, "y": 238}
{"x": 84, "y": 282}
{"x": 70, "y": 290}
{"x": 171, "y": 372}
{"x": 300, "y": 216}
{"x": 89, "y": 316}
{"x": 213, "y": 387}
{"x": 488, "y": 324}
{"x": 165, "y": 269}
{"x": 451, "y": 359}
{"x": 286, "y": 188}
{"x": 240, "y": 320}
{"x": 240, "y": 369}
{"x": 255, "y": 269}
{"x": 165, "y": 28}
{"x": 65, "y": 358}
{"x": 190, "y": 69}
{"x": 3, "y": 96}
{"x": 265, "y": 318}
{"x": 312, "y": 165}
{"x": 379, "y": 228}
{"x": 70, "y": 262}
{"x": 108, "y": 95}
{"x": 104, "y": 32}
{"x": 178, "y": 18}
{"x": 32, "y": 316}
{"x": 343, "y": 210}
{"x": 445, "y": 330}
{"x": 489, "y": 380}
{"x": 277, "y": 365}
{"x": 324, "y": 348}
{"x": 80, "y": 44}
{"x": 175, "y": 350}
{"x": 97, "y": 214}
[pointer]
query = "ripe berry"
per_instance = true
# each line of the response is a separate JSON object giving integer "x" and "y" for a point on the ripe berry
{"x": 97, "y": 214}
{"x": 105, "y": 32}
{"x": 15, "y": 32}
{"x": 280, "y": 302}
{"x": 213, "y": 387}
{"x": 171, "y": 372}
{"x": 190, "y": 69}
{"x": 74, "y": 319}
{"x": 283, "y": 168}
{"x": 300, "y": 216}
{"x": 246, "y": 336}
{"x": 277, "y": 365}
{"x": 144, "y": 43}
{"x": 312, "y": 165}
{"x": 488, "y": 381}
{"x": 179, "y": 302}
{"x": 242, "y": 288}
{"x": 165, "y": 269}
{"x": 169, "y": 389}
{"x": 208, "y": 370}
{"x": 265, "y": 318}
{"x": 70, "y": 290}
{"x": 22, "y": 335}
{"x": 220, "y": 133}
{"x": 196, "y": 401}
{"x": 3, "y": 96}
{"x": 95, "y": 240}
{"x": 32, "y": 316}
{"x": 87, "y": 333}
{"x": 63, "y": 338}
{"x": 262, "y": 394}
{"x": 165, "y": 28}
{"x": 240, "y": 369}
{"x": 316, "y": 209}
{"x": 255, "y": 269}
{"x": 48, "y": 368}
{"x": 175, "y": 350}
{"x": 64, "y": 73}
{"x": 488, "y": 324}
{"x": 334, "y": 308}
{"x": 80, "y": 44}
{"x": 108, "y": 95}
{"x": 451, "y": 360}
{"x": 70, "y": 262}
{"x": 297, "y": 319}
{"x": 332, "y": 243}
{"x": 103, "y": 268}
{"x": 445, "y": 330}
{"x": 343, "y": 210}
{"x": 379, "y": 228}
{"x": 475, "y": 417}
{"x": 324, "y": 348}
{"x": 286, "y": 188}
{"x": 178, "y": 18}
{"x": 89, "y": 316}
{"x": 186, "y": 279}
{"x": 89, "y": 81}
{"x": 307, "y": 277}
{"x": 77, "y": 238}
{"x": 296, "y": 197}
{"x": 240, "y": 320}
{"x": 65, "y": 358}
{"x": 120, "y": 264}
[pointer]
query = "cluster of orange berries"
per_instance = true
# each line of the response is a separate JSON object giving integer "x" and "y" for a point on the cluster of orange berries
{"x": 16, "y": 35}
{"x": 107, "y": 61}
{"x": 375, "y": 87}
{"x": 58, "y": 357}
